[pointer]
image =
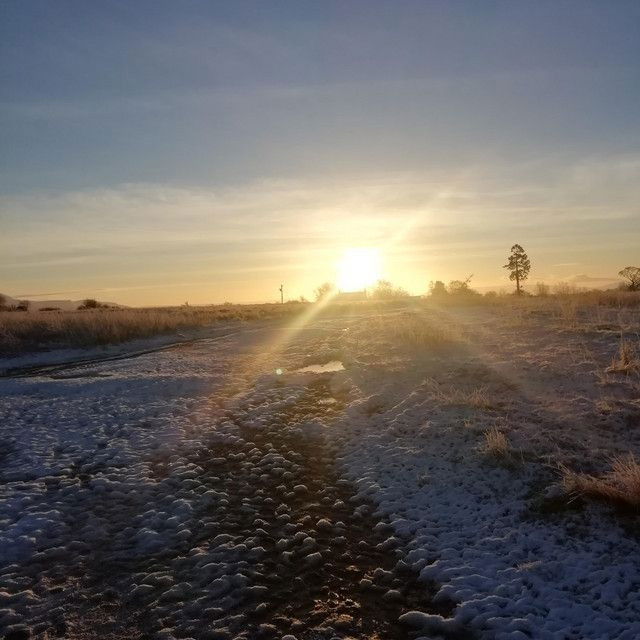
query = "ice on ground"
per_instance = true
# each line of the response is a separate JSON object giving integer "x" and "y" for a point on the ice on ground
{"x": 327, "y": 367}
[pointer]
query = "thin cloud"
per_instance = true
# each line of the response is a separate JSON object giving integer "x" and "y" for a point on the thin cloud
{"x": 164, "y": 233}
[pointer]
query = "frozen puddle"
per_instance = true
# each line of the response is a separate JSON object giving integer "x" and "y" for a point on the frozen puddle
{"x": 327, "y": 367}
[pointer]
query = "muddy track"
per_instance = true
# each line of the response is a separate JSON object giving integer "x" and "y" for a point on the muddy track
{"x": 281, "y": 546}
{"x": 51, "y": 369}
{"x": 329, "y": 566}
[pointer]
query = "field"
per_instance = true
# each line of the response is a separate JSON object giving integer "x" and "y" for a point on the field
{"x": 462, "y": 469}
{"x": 25, "y": 332}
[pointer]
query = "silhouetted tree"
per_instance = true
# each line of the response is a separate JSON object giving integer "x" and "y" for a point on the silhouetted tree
{"x": 518, "y": 266}
{"x": 323, "y": 290}
{"x": 632, "y": 276}
{"x": 384, "y": 290}
{"x": 89, "y": 303}
{"x": 461, "y": 287}
{"x": 3, "y": 302}
{"x": 437, "y": 289}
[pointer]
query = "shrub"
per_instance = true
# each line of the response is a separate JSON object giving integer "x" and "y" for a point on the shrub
{"x": 437, "y": 289}
{"x": 384, "y": 290}
{"x": 542, "y": 289}
{"x": 90, "y": 303}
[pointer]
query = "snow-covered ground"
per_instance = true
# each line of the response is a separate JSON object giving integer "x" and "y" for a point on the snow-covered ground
{"x": 213, "y": 491}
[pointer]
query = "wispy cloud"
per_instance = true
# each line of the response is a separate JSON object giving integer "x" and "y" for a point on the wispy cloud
{"x": 170, "y": 233}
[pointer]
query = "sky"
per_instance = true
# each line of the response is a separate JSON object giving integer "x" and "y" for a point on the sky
{"x": 157, "y": 152}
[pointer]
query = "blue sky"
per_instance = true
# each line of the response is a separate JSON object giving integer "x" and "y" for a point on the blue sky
{"x": 160, "y": 151}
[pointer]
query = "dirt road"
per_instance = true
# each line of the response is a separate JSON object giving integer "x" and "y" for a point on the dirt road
{"x": 188, "y": 493}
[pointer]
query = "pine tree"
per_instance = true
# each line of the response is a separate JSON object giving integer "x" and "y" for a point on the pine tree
{"x": 518, "y": 265}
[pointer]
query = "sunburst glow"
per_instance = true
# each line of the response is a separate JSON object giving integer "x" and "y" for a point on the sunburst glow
{"x": 359, "y": 268}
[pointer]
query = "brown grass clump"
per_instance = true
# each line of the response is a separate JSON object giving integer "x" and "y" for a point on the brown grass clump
{"x": 418, "y": 331}
{"x": 620, "y": 485}
{"x": 415, "y": 330}
{"x": 496, "y": 443}
{"x": 451, "y": 396}
{"x": 626, "y": 361}
{"x": 497, "y": 448}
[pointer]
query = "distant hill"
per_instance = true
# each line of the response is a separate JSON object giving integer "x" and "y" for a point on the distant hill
{"x": 63, "y": 305}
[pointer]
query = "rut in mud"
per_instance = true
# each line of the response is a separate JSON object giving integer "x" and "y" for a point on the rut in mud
{"x": 329, "y": 566}
{"x": 275, "y": 543}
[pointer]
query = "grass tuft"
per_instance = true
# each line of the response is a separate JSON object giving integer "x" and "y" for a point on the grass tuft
{"x": 621, "y": 485}
{"x": 477, "y": 398}
{"x": 626, "y": 361}
{"x": 496, "y": 444}
{"x": 497, "y": 448}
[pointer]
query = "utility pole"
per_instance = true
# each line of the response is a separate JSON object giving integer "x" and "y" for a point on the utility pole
{"x": 281, "y": 294}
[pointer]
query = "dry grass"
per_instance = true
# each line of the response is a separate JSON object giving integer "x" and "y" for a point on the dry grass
{"x": 23, "y": 332}
{"x": 621, "y": 485}
{"x": 626, "y": 361}
{"x": 605, "y": 405}
{"x": 611, "y": 298}
{"x": 496, "y": 444}
{"x": 567, "y": 296}
{"x": 477, "y": 398}
{"x": 417, "y": 331}
{"x": 496, "y": 447}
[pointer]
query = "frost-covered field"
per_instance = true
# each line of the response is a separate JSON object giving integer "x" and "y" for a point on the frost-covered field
{"x": 211, "y": 491}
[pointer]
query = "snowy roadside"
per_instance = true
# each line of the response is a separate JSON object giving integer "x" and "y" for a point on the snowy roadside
{"x": 59, "y": 357}
{"x": 518, "y": 562}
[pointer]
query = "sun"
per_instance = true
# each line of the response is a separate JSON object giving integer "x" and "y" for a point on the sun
{"x": 359, "y": 268}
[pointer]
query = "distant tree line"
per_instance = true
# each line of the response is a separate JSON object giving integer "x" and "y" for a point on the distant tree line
{"x": 518, "y": 267}
{"x": 25, "y": 305}
{"x": 632, "y": 277}
{"x": 22, "y": 305}
{"x": 382, "y": 290}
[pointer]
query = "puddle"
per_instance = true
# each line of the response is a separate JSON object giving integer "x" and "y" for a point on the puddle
{"x": 327, "y": 367}
{"x": 84, "y": 374}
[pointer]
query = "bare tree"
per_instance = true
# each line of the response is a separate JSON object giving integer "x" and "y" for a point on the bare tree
{"x": 323, "y": 290}
{"x": 461, "y": 287}
{"x": 632, "y": 276}
{"x": 518, "y": 266}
